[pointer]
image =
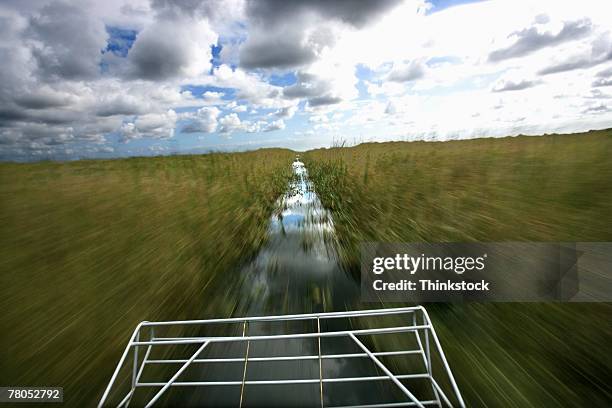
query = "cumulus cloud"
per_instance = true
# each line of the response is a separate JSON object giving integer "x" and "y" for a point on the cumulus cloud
{"x": 270, "y": 50}
{"x": 324, "y": 100}
{"x": 235, "y": 107}
{"x": 322, "y": 86}
{"x": 152, "y": 125}
{"x": 44, "y": 97}
{"x": 54, "y": 89}
{"x": 248, "y": 86}
{"x": 169, "y": 49}
{"x": 596, "y": 109}
{"x": 305, "y": 86}
{"x": 600, "y": 52}
{"x": 231, "y": 11}
{"x": 275, "y": 125}
{"x": 203, "y": 121}
{"x": 76, "y": 77}
{"x": 510, "y": 85}
{"x": 230, "y": 123}
{"x": 293, "y": 34}
{"x": 602, "y": 82}
{"x": 598, "y": 94}
{"x": 111, "y": 105}
{"x": 212, "y": 97}
{"x": 66, "y": 41}
{"x": 407, "y": 72}
{"x": 354, "y": 12}
{"x": 532, "y": 39}
{"x": 287, "y": 112}
{"x": 180, "y": 8}
{"x": 605, "y": 73}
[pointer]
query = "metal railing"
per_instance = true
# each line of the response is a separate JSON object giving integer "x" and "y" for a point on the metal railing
{"x": 418, "y": 324}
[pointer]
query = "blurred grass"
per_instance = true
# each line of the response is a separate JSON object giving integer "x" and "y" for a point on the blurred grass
{"x": 88, "y": 249}
{"x": 548, "y": 188}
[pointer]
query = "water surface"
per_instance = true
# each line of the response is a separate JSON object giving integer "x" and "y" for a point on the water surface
{"x": 296, "y": 271}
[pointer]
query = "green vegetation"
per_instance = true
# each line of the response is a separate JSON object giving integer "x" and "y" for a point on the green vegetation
{"x": 88, "y": 249}
{"x": 549, "y": 188}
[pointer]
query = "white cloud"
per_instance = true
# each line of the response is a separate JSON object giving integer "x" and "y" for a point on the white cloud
{"x": 235, "y": 107}
{"x": 230, "y": 123}
{"x": 475, "y": 96}
{"x": 376, "y": 70}
{"x": 406, "y": 72}
{"x": 204, "y": 120}
{"x": 152, "y": 125}
{"x": 391, "y": 88}
{"x": 287, "y": 112}
{"x": 212, "y": 97}
{"x": 249, "y": 87}
{"x": 318, "y": 118}
{"x": 323, "y": 83}
{"x": 274, "y": 125}
{"x": 169, "y": 49}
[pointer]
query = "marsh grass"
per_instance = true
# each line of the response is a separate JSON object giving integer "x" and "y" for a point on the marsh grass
{"x": 548, "y": 188}
{"x": 88, "y": 249}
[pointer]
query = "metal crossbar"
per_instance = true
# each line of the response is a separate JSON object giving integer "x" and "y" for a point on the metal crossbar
{"x": 246, "y": 361}
{"x": 419, "y": 326}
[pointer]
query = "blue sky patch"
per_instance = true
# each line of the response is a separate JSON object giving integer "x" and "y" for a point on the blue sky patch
{"x": 439, "y": 5}
{"x": 120, "y": 40}
{"x": 283, "y": 80}
{"x": 199, "y": 90}
{"x": 365, "y": 73}
{"x": 216, "y": 56}
{"x": 439, "y": 60}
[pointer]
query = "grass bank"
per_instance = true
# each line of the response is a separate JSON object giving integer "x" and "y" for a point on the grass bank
{"x": 88, "y": 249}
{"x": 549, "y": 188}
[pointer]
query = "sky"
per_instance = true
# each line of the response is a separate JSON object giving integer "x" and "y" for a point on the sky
{"x": 118, "y": 78}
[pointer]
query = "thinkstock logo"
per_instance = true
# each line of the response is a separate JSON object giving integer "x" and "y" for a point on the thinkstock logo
{"x": 502, "y": 271}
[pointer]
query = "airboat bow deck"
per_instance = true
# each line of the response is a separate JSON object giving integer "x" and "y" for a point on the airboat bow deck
{"x": 359, "y": 335}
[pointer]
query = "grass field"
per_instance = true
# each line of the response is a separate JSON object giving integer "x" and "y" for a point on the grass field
{"x": 550, "y": 188}
{"x": 88, "y": 249}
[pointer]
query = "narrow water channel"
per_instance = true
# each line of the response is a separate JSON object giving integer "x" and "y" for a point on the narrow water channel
{"x": 296, "y": 271}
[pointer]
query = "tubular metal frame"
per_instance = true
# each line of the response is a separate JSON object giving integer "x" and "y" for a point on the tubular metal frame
{"x": 420, "y": 325}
